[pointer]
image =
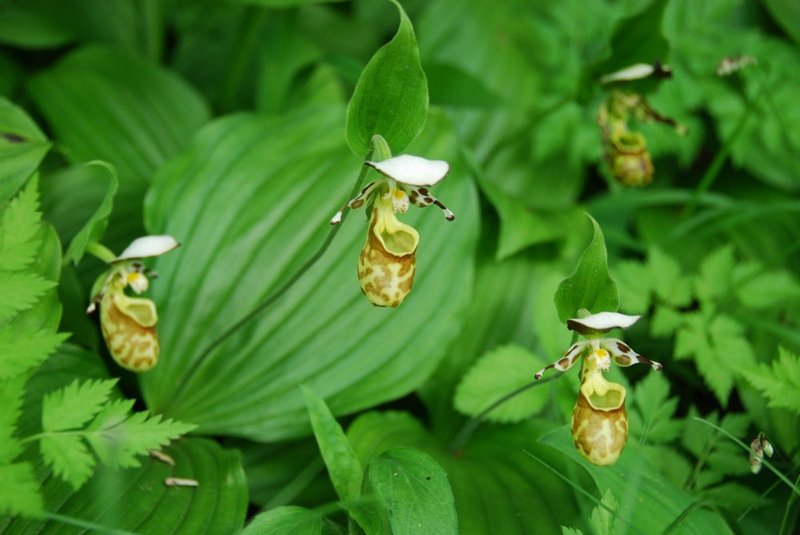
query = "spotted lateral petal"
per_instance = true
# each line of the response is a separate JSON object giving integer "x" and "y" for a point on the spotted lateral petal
{"x": 624, "y": 356}
{"x": 566, "y": 362}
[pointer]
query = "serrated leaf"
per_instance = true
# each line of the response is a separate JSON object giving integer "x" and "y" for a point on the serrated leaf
{"x": 21, "y": 222}
{"x": 601, "y": 519}
{"x": 719, "y": 348}
{"x": 118, "y": 438}
{"x": 73, "y": 406}
{"x": 415, "y": 491}
{"x": 778, "y": 382}
{"x": 495, "y": 375}
{"x": 668, "y": 281}
{"x": 391, "y": 96}
{"x": 28, "y": 349}
{"x": 716, "y": 271}
{"x": 22, "y": 147}
{"x": 19, "y": 492}
{"x": 590, "y": 286}
{"x": 634, "y": 283}
{"x": 343, "y": 465}
{"x": 651, "y": 417}
{"x": 69, "y": 457}
{"x": 20, "y": 291}
{"x": 11, "y": 394}
{"x": 283, "y": 520}
{"x": 94, "y": 229}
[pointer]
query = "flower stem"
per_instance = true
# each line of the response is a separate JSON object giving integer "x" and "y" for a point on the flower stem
{"x": 470, "y": 426}
{"x": 100, "y": 251}
{"x": 274, "y": 296}
{"x": 380, "y": 148}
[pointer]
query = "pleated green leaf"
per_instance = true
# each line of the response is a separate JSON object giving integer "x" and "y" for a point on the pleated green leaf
{"x": 22, "y": 147}
{"x": 391, "y": 96}
{"x": 286, "y": 519}
{"x": 107, "y": 105}
{"x": 250, "y": 202}
{"x": 648, "y": 502}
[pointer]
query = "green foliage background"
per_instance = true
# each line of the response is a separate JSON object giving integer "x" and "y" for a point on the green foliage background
{"x": 240, "y": 127}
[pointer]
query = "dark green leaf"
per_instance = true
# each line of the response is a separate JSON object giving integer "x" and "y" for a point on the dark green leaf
{"x": 413, "y": 488}
{"x": 590, "y": 286}
{"x": 787, "y": 14}
{"x": 279, "y": 181}
{"x": 22, "y": 147}
{"x": 94, "y": 229}
{"x": 391, "y": 96}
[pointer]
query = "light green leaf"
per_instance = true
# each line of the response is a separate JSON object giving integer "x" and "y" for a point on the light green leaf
{"x": 22, "y": 147}
{"x": 496, "y": 487}
{"x": 496, "y": 374}
{"x": 414, "y": 489}
{"x": 118, "y": 437}
{"x": 94, "y": 229}
{"x": 651, "y": 417}
{"x": 73, "y": 406}
{"x": 286, "y": 519}
{"x": 780, "y": 382}
{"x": 21, "y": 222}
{"x": 647, "y": 501}
{"x": 590, "y": 286}
{"x": 344, "y": 467}
{"x": 21, "y": 291}
{"x": 715, "y": 278}
{"x": 767, "y": 289}
{"x": 281, "y": 179}
{"x": 69, "y": 457}
{"x": 665, "y": 321}
{"x": 668, "y": 281}
{"x": 719, "y": 348}
{"x": 105, "y": 104}
{"x": 391, "y": 96}
{"x": 19, "y": 493}
{"x": 23, "y": 349}
{"x": 11, "y": 393}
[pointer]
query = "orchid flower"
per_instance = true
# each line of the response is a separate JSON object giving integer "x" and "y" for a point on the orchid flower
{"x": 599, "y": 419}
{"x": 387, "y": 262}
{"x": 129, "y": 323}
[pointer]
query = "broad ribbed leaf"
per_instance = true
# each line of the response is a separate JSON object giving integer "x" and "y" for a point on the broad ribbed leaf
{"x": 286, "y": 519}
{"x": 22, "y": 147}
{"x": 250, "y": 202}
{"x": 103, "y": 104}
{"x": 496, "y": 487}
{"x": 648, "y": 502}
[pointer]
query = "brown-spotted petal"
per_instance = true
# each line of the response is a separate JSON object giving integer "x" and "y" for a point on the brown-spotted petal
{"x": 387, "y": 262}
{"x": 129, "y": 329}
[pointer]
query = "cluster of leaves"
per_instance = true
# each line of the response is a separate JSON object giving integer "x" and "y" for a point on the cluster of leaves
{"x": 228, "y": 125}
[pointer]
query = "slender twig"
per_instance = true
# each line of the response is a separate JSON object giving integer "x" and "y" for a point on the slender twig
{"x": 789, "y": 503}
{"x": 274, "y": 296}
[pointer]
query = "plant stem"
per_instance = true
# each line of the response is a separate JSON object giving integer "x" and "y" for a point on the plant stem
{"x": 274, "y": 296}
{"x": 472, "y": 425}
{"x": 100, "y": 251}
{"x": 789, "y": 503}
